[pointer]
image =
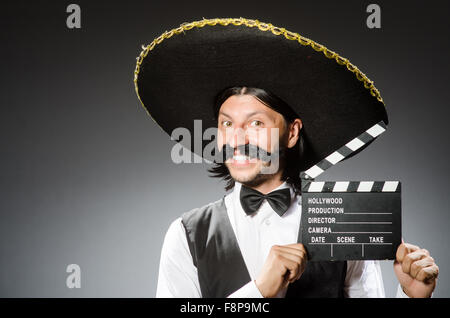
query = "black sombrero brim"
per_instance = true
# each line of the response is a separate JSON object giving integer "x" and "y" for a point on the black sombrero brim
{"x": 179, "y": 75}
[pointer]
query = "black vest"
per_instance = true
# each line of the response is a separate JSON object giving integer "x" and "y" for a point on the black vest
{"x": 221, "y": 268}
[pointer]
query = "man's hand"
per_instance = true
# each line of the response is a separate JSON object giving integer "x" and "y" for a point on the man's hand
{"x": 415, "y": 270}
{"x": 284, "y": 265}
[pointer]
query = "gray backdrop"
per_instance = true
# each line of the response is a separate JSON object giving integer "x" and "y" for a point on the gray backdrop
{"x": 86, "y": 176}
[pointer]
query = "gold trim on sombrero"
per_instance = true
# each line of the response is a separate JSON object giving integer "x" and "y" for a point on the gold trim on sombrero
{"x": 368, "y": 84}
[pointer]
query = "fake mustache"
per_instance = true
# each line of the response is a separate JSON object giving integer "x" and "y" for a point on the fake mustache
{"x": 250, "y": 150}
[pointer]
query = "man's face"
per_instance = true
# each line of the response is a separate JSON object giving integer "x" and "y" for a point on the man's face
{"x": 243, "y": 119}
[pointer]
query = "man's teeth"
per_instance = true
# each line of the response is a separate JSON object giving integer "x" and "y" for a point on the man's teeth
{"x": 241, "y": 158}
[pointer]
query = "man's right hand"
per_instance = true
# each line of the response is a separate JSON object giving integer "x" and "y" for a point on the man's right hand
{"x": 284, "y": 265}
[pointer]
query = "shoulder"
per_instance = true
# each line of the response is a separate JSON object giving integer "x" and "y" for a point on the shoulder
{"x": 202, "y": 214}
{"x": 175, "y": 234}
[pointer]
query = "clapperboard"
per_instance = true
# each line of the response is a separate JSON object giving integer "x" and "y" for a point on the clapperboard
{"x": 350, "y": 220}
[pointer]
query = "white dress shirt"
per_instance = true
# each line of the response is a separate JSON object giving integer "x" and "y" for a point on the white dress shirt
{"x": 255, "y": 235}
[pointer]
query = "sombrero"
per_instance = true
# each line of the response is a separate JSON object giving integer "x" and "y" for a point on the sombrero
{"x": 180, "y": 73}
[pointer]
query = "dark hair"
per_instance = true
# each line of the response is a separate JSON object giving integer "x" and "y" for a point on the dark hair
{"x": 291, "y": 172}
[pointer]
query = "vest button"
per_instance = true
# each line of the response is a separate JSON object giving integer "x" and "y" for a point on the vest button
{"x": 267, "y": 221}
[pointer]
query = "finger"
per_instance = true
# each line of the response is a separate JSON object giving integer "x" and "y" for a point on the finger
{"x": 404, "y": 249}
{"x": 293, "y": 249}
{"x": 418, "y": 265}
{"x": 301, "y": 270}
{"x": 278, "y": 253}
{"x": 300, "y": 262}
{"x": 293, "y": 257}
{"x": 428, "y": 274}
{"x": 298, "y": 255}
{"x": 286, "y": 281}
{"x": 290, "y": 267}
{"x": 297, "y": 246}
{"x": 293, "y": 252}
{"x": 295, "y": 268}
{"x": 301, "y": 248}
{"x": 411, "y": 258}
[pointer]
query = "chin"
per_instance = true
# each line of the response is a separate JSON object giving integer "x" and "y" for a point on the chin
{"x": 243, "y": 175}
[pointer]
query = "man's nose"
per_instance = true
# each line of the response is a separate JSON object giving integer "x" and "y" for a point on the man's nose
{"x": 236, "y": 137}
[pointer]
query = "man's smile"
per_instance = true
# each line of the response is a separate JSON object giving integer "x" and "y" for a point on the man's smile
{"x": 241, "y": 161}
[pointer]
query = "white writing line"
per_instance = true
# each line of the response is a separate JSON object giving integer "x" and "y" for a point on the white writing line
{"x": 349, "y": 243}
{"x": 363, "y": 222}
{"x": 366, "y": 213}
{"x": 361, "y": 232}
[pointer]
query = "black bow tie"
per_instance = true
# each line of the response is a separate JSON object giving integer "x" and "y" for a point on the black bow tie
{"x": 251, "y": 200}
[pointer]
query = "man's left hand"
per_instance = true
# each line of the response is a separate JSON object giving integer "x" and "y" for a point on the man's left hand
{"x": 416, "y": 270}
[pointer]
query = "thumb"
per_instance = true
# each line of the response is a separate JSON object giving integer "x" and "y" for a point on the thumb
{"x": 286, "y": 279}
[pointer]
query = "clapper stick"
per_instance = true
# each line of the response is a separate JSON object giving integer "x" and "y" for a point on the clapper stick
{"x": 350, "y": 220}
{"x": 345, "y": 151}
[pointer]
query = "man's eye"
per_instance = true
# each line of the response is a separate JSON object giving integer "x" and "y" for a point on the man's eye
{"x": 256, "y": 123}
{"x": 226, "y": 123}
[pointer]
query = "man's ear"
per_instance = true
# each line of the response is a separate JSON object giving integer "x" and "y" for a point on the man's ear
{"x": 294, "y": 132}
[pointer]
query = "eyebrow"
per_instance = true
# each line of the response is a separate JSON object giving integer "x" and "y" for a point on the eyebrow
{"x": 249, "y": 115}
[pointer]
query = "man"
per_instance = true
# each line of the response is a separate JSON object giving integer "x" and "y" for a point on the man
{"x": 246, "y": 244}
{"x": 273, "y": 258}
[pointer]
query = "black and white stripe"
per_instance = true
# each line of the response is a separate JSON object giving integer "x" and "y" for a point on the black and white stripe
{"x": 346, "y": 150}
{"x": 351, "y": 186}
